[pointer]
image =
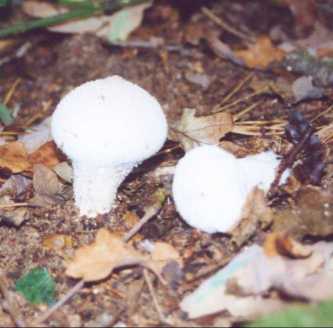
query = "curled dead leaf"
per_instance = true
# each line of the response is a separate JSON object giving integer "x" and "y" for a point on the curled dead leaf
{"x": 191, "y": 130}
{"x": 282, "y": 244}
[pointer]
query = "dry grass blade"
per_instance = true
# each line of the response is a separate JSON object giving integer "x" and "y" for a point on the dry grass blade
{"x": 220, "y": 108}
{"x": 14, "y": 205}
{"x": 259, "y": 128}
{"x": 325, "y": 133}
{"x": 11, "y": 91}
{"x": 245, "y": 111}
{"x": 225, "y": 26}
{"x": 237, "y": 88}
{"x": 326, "y": 111}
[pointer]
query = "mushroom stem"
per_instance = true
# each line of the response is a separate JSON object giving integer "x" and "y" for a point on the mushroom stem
{"x": 95, "y": 187}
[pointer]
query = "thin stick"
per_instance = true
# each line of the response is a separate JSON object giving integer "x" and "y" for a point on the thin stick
{"x": 288, "y": 161}
{"x": 151, "y": 212}
{"x": 237, "y": 88}
{"x": 225, "y": 26}
{"x": 60, "y": 303}
{"x": 11, "y": 91}
{"x": 153, "y": 295}
{"x": 11, "y": 305}
{"x": 14, "y": 205}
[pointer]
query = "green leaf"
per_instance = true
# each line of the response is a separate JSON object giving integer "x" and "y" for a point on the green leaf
{"x": 37, "y": 286}
{"x": 77, "y": 3}
{"x": 6, "y": 116}
{"x": 4, "y": 3}
{"x": 320, "y": 315}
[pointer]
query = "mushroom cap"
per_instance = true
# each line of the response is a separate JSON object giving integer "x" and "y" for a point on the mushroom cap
{"x": 207, "y": 189}
{"x": 109, "y": 121}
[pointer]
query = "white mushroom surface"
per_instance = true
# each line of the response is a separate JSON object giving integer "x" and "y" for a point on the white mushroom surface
{"x": 210, "y": 186}
{"x": 106, "y": 127}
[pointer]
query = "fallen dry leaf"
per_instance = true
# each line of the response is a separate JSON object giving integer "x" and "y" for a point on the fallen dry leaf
{"x": 14, "y": 157}
{"x": 97, "y": 260}
{"x": 48, "y": 155}
{"x": 212, "y": 295}
{"x": 40, "y": 9}
{"x": 109, "y": 251}
{"x": 115, "y": 27}
{"x": 310, "y": 278}
{"x": 164, "y": 252}
{"x": 282, "y": 244}
{"x": 64, "y": 171}
{"x": 261, "y": 54}
{"x": 191, "y": 130}
{"x": 47, "y": 187}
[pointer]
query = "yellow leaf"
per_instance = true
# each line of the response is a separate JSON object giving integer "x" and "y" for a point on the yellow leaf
{"x": 97, "y": 260}
{"x": 260, "y": 54}
{"x": 14, "y": 156}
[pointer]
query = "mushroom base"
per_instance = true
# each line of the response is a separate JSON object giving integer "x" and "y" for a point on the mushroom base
{"x": 95, "y": 187}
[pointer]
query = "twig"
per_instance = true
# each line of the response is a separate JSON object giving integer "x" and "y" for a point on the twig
{"x": 11, "y": 306}
{"x": 11, "y": 91}
{"x": 60, "y": 303}
{"x": 225, "y": 26}
{"x": 287, "y": 161}
{"x": 14, "y": 205}
{"x": 153, "y": 295}
{"x": 150, "y": 213}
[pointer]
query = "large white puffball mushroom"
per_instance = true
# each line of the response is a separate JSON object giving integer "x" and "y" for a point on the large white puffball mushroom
{"x": 106, "y": 127}
{"x": 207, "y": 189}
{"x": 210, "y": 186}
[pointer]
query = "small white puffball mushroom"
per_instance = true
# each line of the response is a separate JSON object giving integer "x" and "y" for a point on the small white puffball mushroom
{"x": 106, "y": 127}
{"x": 259, "y": 170}
{"x": 207, "y": 189}
{"x": 210, "y": 186}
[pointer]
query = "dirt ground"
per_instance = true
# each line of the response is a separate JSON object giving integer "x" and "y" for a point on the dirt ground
{"x": 56, "y": 63}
